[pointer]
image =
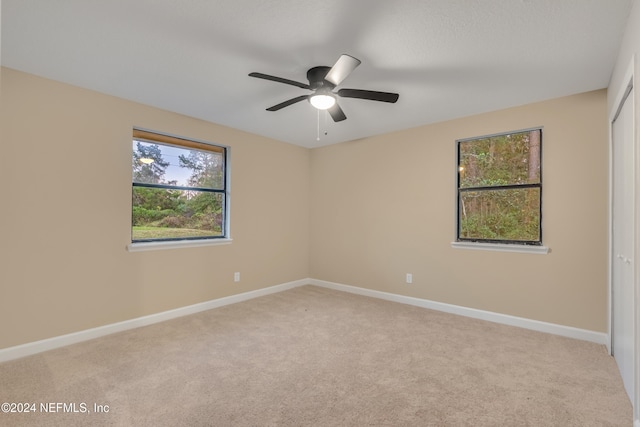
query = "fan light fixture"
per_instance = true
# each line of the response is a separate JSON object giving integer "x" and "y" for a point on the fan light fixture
{"x": 322, "y": 102}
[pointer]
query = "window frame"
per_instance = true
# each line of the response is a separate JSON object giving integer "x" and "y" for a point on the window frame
{"x": 155, "y": 137}
{"x": 499, "y": 244}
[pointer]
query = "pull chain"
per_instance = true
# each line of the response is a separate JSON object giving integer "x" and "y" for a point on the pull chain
{"x": 325, "y": 122}
{"x": 318, "y": 125}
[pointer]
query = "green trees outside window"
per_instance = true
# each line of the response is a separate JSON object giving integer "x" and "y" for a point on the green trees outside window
{"x": 500, "y": 188}
{"x": 178, "y": 188}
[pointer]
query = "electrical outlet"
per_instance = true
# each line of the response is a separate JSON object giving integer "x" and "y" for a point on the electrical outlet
{"x": 409, "y": 278}
{"x": 236, "y": 277}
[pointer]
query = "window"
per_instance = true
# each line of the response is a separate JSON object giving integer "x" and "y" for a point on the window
{"x": 179, "y": 189}
{"x": 500, "y": 188}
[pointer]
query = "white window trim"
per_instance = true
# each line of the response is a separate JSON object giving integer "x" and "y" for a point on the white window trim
{"x": 501, "y": 247}
{"x": 175, "y": 244}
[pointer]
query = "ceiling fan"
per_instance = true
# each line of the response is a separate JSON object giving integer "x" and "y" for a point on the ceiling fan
{"x": 322, "y": 81}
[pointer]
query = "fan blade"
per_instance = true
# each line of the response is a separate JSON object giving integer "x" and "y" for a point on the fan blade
{"x": 288, "y": 102}
{"x": 336, "y": 113}
{"x": 280, "y": 80}
{"x": 341, "y": 69}
{"x": 369, "y": 94}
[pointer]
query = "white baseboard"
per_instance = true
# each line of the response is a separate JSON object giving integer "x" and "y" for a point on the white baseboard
{"x": 29, "y": 349}
{"x": 88, "y": 334}
{"x": 550, "y": 328}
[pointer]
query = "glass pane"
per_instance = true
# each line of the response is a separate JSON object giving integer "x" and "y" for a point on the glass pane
{"x": 500, "y": 160}
{"x": 510, "y": 214}
{"x": 155, "y": 163}
{"x": 160, "y": 213}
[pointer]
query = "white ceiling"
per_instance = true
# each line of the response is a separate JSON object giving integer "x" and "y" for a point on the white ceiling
{"x": 446, "y": 58}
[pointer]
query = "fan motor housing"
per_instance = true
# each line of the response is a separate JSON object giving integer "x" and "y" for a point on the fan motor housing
{"x": 316, "y": 77}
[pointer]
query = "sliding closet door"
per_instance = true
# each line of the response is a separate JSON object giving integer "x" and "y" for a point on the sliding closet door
{"x": 623, "y": 244}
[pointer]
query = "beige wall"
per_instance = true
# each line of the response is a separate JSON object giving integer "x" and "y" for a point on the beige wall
{"x": 361, "y": 213}
{"x": 385, "y": 206}
{"x": 65, "y": 170}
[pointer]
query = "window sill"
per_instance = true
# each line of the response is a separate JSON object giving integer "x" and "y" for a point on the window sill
{"x": 154, "y": 246}
{"x": 501, "y": 247}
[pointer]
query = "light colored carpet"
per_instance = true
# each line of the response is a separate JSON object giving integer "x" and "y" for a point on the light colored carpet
{"x": 316, "y": 357}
